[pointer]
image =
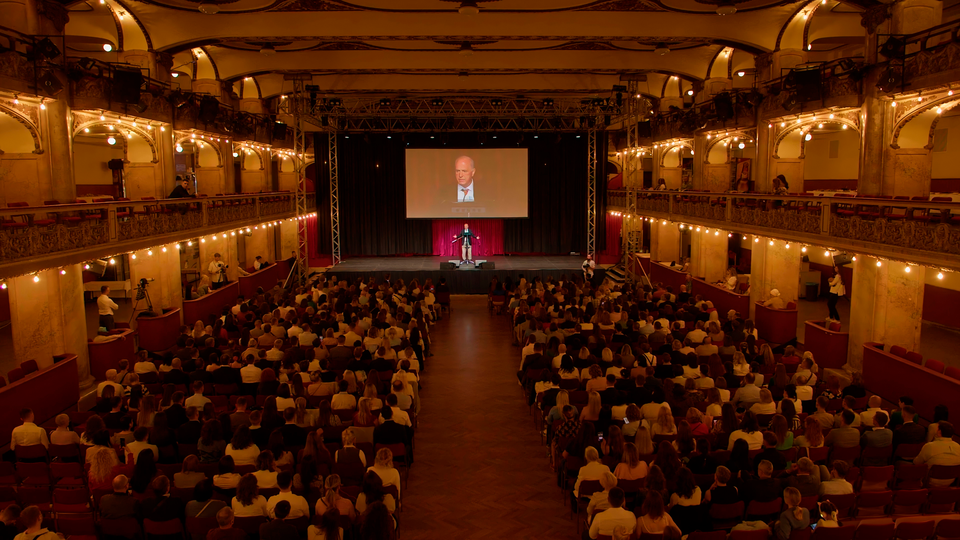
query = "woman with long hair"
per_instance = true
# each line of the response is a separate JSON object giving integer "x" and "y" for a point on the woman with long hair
{"x": 687, "y": 492}
{"x": 749, "y": 431}
{"x": 329, "y": 528}
{"x": 766, "y": 353}
{"x": 684, "y": 443}
{"x": 325, "y": 416}
{"x": 788, "y": 409}
{"x": 211, "y": 445}
{"x": 664, "y": 424}
{"x": 248, "y": 502}
{"x": 302, "y": 418}
{"x": 655, "y": 519}
{"x": 241, "y": 447}
{"x": 148, "y": 409}
{"x": 104, "y": 466}
{"x": 266, "y": 472}
{"x": 283, "y": 458}
{"x": 189, "y": 475}
{"x": 372, "y": 491}
{"x": 144, "y": 471}
{"x": 332, "y": 500}
{"x": 726, "y": 426}
{"x": 556, "y": 413}
{"x": 644, "y": 441}
{"x": 766, "y": 404}
{"x": 383, "y": 466}
{"x": 94, "y": 425}
{"x": 612, "y": 446}
{"x": 377, "y": 523}
{"x": 812, "y": 434}
{"x": 631, "y": 467}
{"x": 592, "y": 411}
{"x": 668, "y": 461}
{"x": 740, "y": 365}
{"x": 363, "y": 417}
{"x": 778, "y": 426}
{"x": 567, "y": 369}
{"x": 370, "y": 395}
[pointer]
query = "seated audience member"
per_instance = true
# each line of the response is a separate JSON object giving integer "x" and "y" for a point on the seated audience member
{"x": 279, "y": 529}
{"x": 598, "y": 501}
{"x": 720, "y": 492}
{"x": 631, "y": 466}
{"x": 248, "y": 501}
{"x": 28, "y": 433}
{"x": 793, "y": 518}
{"x": 63, "y": 434}
{"x": 203, "y": 504}
{"x": 162, "y": 507}
{"x": 140, "y": 444}
{"x": 877, "y": 436}
{"x": 120, "y": 503}
{"x": 189, "y": 475}
{"x": 770, "y": 453}
{"x": 749, "y": 393}
{"x": 593, "y": 470}
{"x": 806, "y": 478}
{"x": 32, "y": 521}
{"x": 332, "y": 500}
{"x": 873, "y": 407}
{"x": 837, "y": 484}
{"x": 226, "y": 478}
{"x": 942, "y": 450}
{"x": 844, "y": 436}
{"x": 749, "y": 431}
{"x": 328, "y": 529}
{"x": 615, "y": 516}
{"x": 225, "y": 529}
{"x": 765, "y": 405}
{"x": 298, "y": 505}
{"x": 812, "y": 434}
{"x": 654, "y": 518}
{"x": 824, "y": 418}
{"x": 762, "y": 487}
{"x": 909, "y": 432}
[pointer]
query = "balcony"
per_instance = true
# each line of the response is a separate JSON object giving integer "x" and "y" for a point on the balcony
{"x": 58, "y": 234}
{"x": 912, "y": 228}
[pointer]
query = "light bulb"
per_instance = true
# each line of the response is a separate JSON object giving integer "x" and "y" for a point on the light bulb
{"x": 113, "y": 261}
{"x": 803, "y": 249}
{"x": 878, "y": 262}
{"x": 826, "y": 253}
{"x": 150, "y": 252}
{"x": 787, "y": 246}
{"x": 203, "y": 240}
{"x": 698, "y": 229}
{"x": 744, "y": 237}
{"x": 906, "y": 269}
{"x": 86, "y": 267}
{"x": 771, "y": 242}
{"x": 3, "y": 286}
{"x": 756, "y": 240}
{"x": 133, "y": 255}
{"x": 36, "y": 279}
{"x": 107, "y": 47}
{"x": 43, "y": 107}
{"x": 854, "y": 259}
{"x": 716, "y": 233}
{"x": 63, "y": 272}
{"x": 164, "y": 249}
{"x": 189, "y": 243}
{"x": 939, "y": 276}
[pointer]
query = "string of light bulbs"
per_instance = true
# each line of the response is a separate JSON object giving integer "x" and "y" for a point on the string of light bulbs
{"x": 162, "y": 248}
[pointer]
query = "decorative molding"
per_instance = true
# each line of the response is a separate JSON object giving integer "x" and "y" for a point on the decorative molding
{"x": 33, "y": 241}
{"x": 905, "y": 116}
{"x": 17, "y": 114}
{"x": 55, "y": 12}
{"x": 156, "y": 223}
{"x": 874, "y": 17}
{"x": 805, "y": 222}
{"x": 701, "y": 207}
{"x": 936, "y": 237}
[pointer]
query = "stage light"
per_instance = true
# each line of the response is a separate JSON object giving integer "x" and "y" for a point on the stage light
{"x": 163, "y": 249}
{"x": 189, "y": 243}
{"x": 803, "y": 249}
{"x": 826, "y": 253}
{"x": 939, "y": 276}
{"x": 808, "y": 137}
{"x": 771, "y": 242}
{"x": 878, "y": 262}
{"x": 744, "y": 237}
{"x": 906, "y": 269}
{"x": 63, "y": 272}
{"x": 716, "y": 233}
{"x": 3, "y": 286}
{"x": 111, "y": 141}
{"x": 112, "y": 261}
{"x": 150, "y": 252}
{"x": 107, "y": 47}
{"x": 133, "y": 255}
{"x": 854, "y": 259}
{"x": 36, "y": 279}
{"x": 755, "y": 240}
{"x": 86, "y": 267}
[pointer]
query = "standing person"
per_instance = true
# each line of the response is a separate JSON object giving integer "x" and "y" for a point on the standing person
{"x": 588, "y": 266}
{"x": 836, "y": 291}
{"x": 466, "y": 248}
{"x": 218, "y": 272}
{"x": 105, "y": 306}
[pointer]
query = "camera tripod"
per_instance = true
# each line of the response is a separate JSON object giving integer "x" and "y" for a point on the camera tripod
{"x": 142, "y": 294}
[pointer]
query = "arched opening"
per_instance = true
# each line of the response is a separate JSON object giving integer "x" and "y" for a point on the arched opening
{"x": 201, "y": 162}
{"x": 676, "y": 167}
{"x": 831, "y": 157}
{"x": 15, "y": 138}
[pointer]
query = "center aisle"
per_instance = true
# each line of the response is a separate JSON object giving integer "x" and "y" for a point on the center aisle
{"x": 480, "y": 469}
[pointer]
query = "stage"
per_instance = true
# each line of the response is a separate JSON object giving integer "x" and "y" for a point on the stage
{"x": 466, "y": 279}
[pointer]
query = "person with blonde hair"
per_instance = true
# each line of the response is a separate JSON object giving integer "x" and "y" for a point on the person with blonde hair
{"x": 592, "y": 411}
{"x": 812, "y": 434}
{"x": 740, "y": 365}
{"x": 63, "y": 434}
{"x": 766, "y": 404}
{"x": 598, "y": 501}
{"x": 630, "y": 466}
{"x": 664, "y": 424}
{"x": 795, "y": 517}
{"x": 148, "y": 409}
{"x": 332, "y": 499}
{"x": 644, "y": 441}
{"x": 593, "y": 470}
{"x": 383, "y": 466}
{"x": 556, "y": 413}
{"x": 104, "y": 467}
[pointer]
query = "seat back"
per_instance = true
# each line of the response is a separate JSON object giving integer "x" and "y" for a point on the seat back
{"x": 29, "y": 367}
{"x": 935, "y": 365}
{"x": 952, "y": 372}
{"x": 15, "y": 374}
{"x": 835, "y": 533}
{"x": 875, "y": 531}
{"x": 161, "y": 528}
{"x": 915, "y": 357}
{"x": 915, "y": 530}
{"x": 897, "y": 350}
{"x": 123, "y": 527}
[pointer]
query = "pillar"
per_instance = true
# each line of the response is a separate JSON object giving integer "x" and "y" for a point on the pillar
{"x": 168, "y": 165}
{"x": 708, "y": 255}
{"x": 886, "y": 307}
{"x": 774, "y": 267}
{"x": 226, "y": 247}
{"x": 288, "y": 239}
{"x": 59, "y": 149}
{"x": 257, "y": 244}
{"x": 700, "y": 163}
{"x": 20, "y": 15}
{"x": 907, "y": 171}
{"x": 47, "y": 317}
{"x": 761, "y": 171}
{"x": 163, "y": 268}
{"x": 665, "y": 241}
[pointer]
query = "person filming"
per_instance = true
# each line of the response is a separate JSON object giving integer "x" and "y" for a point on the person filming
{"x": 218, "y": 272}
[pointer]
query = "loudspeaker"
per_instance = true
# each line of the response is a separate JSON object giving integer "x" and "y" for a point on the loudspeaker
{"x": 279, "y": 131}
{"x": 209, "y": 109}
{"x": 723, "y": 105}
{"x": 488, "y": 266}
{"x": 115, "y": 164}
{"x": 48, "y": 49}
{"x": 50, "y": 84}
{"x": 126, "y": 85}
{"x": 808, "y": 84}
{"x": 448, "y": 266}
{"x": 643, "y": 129}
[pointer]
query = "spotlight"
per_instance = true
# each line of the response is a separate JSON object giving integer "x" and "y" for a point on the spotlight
{"x": 107, "y": 47}
{"x": 939, "y": 276}
{"x": 111, "y": 141}
{"x": 879, "y": 263}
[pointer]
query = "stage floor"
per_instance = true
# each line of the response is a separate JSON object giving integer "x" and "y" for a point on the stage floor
{"x": 407, "y": 264}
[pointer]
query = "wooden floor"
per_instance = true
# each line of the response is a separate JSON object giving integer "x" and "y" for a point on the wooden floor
{"x": 480, "y": 469}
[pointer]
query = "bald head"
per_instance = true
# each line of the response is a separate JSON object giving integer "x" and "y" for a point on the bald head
{"x": 120, "y": 484}
{"x": 465, "y": 170}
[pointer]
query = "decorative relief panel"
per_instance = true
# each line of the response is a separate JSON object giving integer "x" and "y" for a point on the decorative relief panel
{"x": 901, "y": 233}
{"x": 652, "y": 203}
{"x": 807, "y": 222}
{"x": 275, "y": 207}
{"x": 701, "y": 209}
{"x": 218, "y": 215}
{"x": 147, "y": 225}
{"x": 32, "y": 241}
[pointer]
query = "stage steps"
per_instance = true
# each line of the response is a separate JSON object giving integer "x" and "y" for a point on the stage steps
{"x": 617, "y": 274}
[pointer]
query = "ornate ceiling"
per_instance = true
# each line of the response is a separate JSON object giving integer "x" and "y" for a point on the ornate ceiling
{"x": 529, "y": 47}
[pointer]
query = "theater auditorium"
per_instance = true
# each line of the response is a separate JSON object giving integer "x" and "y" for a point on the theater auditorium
{"x": 507, "y": 269}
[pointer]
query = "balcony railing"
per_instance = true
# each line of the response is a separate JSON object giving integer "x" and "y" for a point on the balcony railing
{"x": 905, "y": 225}
{"x": 83, "y": 229}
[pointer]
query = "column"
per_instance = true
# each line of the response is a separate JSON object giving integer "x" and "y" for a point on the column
{"x": 48, "y": 318}
{"x": 288, "y": 239}
{"x": 59, "y": 149}
{"x": 168, "y": 166}
{"x": 708, "y": 255}
{"x": 20, "y": 15}
{"x": 774, "y": 266}
{"x": 163, "y": 268}
{"x": 762, "y": 178}
{"x": 257, "y": 244}
{"x": 664, "y": 241}
{"x": 886, "y": 307}
{"x": 907, "y": 171}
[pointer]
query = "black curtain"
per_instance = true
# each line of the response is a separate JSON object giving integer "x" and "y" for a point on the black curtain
{"x": 373, "y": 202}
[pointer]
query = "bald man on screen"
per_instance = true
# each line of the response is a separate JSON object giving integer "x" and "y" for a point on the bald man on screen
{"x": 465, "y": 169}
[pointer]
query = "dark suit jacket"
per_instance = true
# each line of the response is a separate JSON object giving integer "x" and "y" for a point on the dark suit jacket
{"x": 912, "y": 433}
{"x": 293, "y": 435}
{"x": 763, "y": 490}
{"x": 391, "y": 432}
{"x": 112, "y": 420}
{"x": 806, "y": 484}
{"x": 536, "y": 361}
{"x": 163, "y": 509}
{"x": 278, "y": 529}
{"x": 176, "y": 416}
{"x": 175, "y": 376}
{"x": 116, "y": 506}
{"x": 340, "y": 356}
{"x": 260, "y": 436}
{"x": 189, "y": 432}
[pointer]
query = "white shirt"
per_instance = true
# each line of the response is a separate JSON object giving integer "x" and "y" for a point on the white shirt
{"x": 605, "y": 522}
{"x": 28, "y": 434}
{"x": 214, "y": 270}
{"x": 105, "y": 305}
{"x": 298, "y": 505}
{"x": 247, "y": 456}
{"x": 250, "y": 374}
{"x": 118, "y": 390}
{"x": 196, "y": 400}
{"x": 258, "y": 508}
{"x": 465, "y": 194}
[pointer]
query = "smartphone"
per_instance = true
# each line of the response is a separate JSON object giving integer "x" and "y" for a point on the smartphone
{"x": 600, "y": 436}
{"x": 626, "y": 421}
{"x": 813, "y": 526}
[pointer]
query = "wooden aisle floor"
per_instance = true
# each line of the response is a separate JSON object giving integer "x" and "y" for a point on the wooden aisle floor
{"x": 480, "y": 471}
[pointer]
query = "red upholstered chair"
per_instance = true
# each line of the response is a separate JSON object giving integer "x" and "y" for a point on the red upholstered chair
{"x": 29, "y": 367}
{"x": 791, "y": 305}
{"x": 15, "y": 374}
{"x": 834, "y": 327}
{"x": 915, "y": 357}
{"x": 835, "y": 533}
{"x": 935, "y": 365}
{"x": 952, "y": 372}
{"x": 915, "y": 530}
{"x": 881, "y": 530}
{"x": 897, "y": 350}
{"x": 948, "y": 528}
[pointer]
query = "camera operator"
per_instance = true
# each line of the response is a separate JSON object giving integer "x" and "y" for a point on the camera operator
{"x": 218, "y": 272}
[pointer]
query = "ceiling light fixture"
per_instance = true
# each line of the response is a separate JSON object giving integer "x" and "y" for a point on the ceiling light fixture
{"x": 469, "y": 8}
{"x": 662, "y": 49}
{"x": 107, "y": 47}
{"x": 268, "y": 50}
{"x": 209, "y": 9}
{"x": 726, "y": 8}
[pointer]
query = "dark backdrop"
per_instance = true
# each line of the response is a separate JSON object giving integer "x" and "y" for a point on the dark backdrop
{"x": 373, "y": 201}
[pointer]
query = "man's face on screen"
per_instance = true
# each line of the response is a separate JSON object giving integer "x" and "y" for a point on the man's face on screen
{"x": 465, "y": 170}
